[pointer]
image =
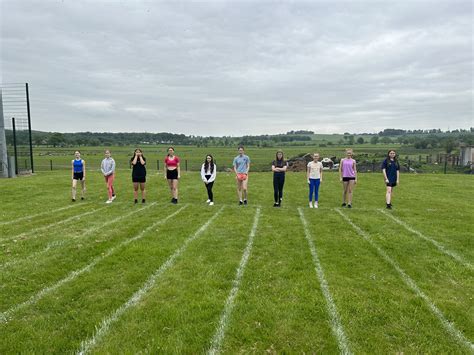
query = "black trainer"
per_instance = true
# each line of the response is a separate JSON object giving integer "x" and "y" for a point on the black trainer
{"x": 73, "y": 200}
{"x": 275, "y": 204}
{"x": 136, "y": 201}
{"x": 389, "y": 206}
{"x": 349, "y": 206}
{"x": 241, "y": 203}
{"x": 343, "y": 205}
{"x": 143, "y": 200}
{"x": 245, "y": 202}
{"x": 82, "y": 198}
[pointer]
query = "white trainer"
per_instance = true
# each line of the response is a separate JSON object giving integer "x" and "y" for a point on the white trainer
{"x": 108, "y": 201}
{"x": 211, "y": 203}
{"x": 316, "y": 205}
{"x": 310, "y": 205}
{"x": 113, "y": 197}
{"x": 208, "y": 201}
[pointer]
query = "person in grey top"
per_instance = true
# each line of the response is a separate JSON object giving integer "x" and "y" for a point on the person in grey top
{"x": 241, "y": 168}
{"x": 108, "y": 169}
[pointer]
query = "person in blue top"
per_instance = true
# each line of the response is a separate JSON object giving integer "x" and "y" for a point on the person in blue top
{"x": 78, "y": 174}
{"x": 391, "y": 175}
{"x": 241, "y": 168}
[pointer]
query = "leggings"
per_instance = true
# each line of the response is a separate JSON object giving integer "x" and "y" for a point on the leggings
{"x": 109, "y": 179}
{"x": 209, "y": 190}
{"x": 314, "y": 186}
{"x": 278, "y": 182}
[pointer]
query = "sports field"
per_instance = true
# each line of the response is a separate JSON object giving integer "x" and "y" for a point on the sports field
{"x": 191, "y": 278}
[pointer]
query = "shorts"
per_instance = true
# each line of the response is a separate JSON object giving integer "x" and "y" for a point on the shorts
{"x": 391, "y": 184}
{"x": 140, "y": 179}
{"x": 241, "y": 176}
{"x": 78, "y": 176}
{"x": 172, "y": 174}
{"x": 349, "y": 178}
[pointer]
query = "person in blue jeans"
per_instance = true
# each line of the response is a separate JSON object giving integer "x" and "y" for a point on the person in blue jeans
{"x": 314, "y": 174}
{"x": 391, "y": 175}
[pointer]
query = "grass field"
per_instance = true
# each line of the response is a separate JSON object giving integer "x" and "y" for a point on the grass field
{"x": 191, "y": 278}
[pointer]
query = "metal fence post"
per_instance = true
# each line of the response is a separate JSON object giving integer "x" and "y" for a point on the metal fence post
{"x": 186, "y": 164}
{"x": 14, "y": 145}
{"x": 51, "y": 164}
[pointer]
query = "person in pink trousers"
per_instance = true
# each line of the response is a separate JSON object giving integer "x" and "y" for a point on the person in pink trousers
{"x": 108, "y": 169}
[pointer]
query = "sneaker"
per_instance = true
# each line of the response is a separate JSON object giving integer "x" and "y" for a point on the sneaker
{"x": 82, "y": 198}
{"x": 241, "y": 203}
{"x": 73, "y": 200}
{"x": 349, "y": 205}
{"x": 389, "y": 206}
{"x": 245, "y": 202}
{"x": 208, "y": 201}
{"x": 113, "y": 197}
{"x": 175, "y": 201}
{"x": 316, "y": 205}
{"x": 108, "y": 201}
{"x": 343, "y": 205}
{"x": 310, "y": 205}
{"x": 211, "y": 203}
{"x": 135, "y": 201}
{"x": 143, "y": 200}
{"x": 275, "y": 204}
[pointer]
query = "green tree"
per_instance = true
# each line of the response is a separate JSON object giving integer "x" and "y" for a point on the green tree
{"x": 360, "y": 140}
{"x": 374, "y": 140}
{"x": 56, "y": 139}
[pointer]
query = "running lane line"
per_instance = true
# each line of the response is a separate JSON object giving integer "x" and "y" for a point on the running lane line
{"x": 103, "y": 328}
{"x": 438, "y": 245}
{"x": 336, "y": 324}
{"x": 449, "y": 326}
{"x": 219, "y": 334}
{"x": 6, "y": 316}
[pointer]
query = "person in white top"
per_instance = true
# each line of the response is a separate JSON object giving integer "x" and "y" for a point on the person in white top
{"x": 208, "y": 175}
{"x": 314, "y": 174}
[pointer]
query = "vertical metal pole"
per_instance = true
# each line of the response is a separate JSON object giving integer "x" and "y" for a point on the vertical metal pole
{"x": 29, "y": 125}
{"x": 3, "y": 142}
{"x": 14, "y": 145}
{"x": 51, "y": 164}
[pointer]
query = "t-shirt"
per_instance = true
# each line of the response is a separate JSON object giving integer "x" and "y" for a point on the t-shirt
{"x": 279, "y": 164}
{"x": 315, "y": 169}
{"x": 172, "y": 162}
{"x": 241, "y": 164}
{"x": 139, "y": 169}
{"x": 348, "y": 167}
{"x": 391, "y": 167}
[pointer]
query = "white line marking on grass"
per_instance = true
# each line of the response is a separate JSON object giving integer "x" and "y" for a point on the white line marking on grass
{"x": 33, "y": 256}
{"x": 103, "y": 328}
{"x": 36, "y": 215}
{"x": 32, "y": 232}
{"x": 336, "y": 323}
{"x": 5, "y": 316}
{"x": 449, "y": 326}
{"x": 438, "y": 245}
{"x": 229, "y": 304}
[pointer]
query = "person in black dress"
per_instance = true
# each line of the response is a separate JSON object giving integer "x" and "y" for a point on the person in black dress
{"x": 138, "y": 162}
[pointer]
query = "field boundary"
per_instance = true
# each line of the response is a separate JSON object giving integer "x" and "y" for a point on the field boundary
{"x": 103, "y": 328}
{"x": 219, "y": 334}
{"x": 449, "y": 326}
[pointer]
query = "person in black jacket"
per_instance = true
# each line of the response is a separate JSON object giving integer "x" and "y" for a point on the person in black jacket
{"x": 279, "y": 166}
{"x": 391, "y": 175}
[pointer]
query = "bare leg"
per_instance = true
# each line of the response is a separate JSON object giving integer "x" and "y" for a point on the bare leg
{"x": 345, "y": 186}
{"x": 388, "y": 195}
{"x": 244, "y": 188}
{"x": 170, "y": 184}
{"x": 74, "y": 185}
{"x": 349, "y": 191}
{"x": 175, "y": 189}
{"x": 239, "y": 189}
{"x": 83, "y": 193}
{"x": 135, "y": 190}
{"x": 142, "y": 188}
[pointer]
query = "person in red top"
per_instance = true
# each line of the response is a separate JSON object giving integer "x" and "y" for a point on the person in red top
{"x": 172, "y": 173}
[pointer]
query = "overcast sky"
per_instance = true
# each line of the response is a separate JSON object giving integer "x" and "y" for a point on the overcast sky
{"x": 241, "y": 67}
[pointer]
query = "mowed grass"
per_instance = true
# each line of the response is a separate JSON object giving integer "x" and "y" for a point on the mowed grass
{"x": 192, "y": 278}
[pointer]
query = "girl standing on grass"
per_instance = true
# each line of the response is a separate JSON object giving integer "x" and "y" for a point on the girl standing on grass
{"x": 172, "y": 173}
{"x": 391, "y": 175}
{"x": 279, "y": 166}
{"x": 348, "y": 176}
{"x": 314, "y": 174}
{"x": 208, "y": 175}
{"x": 108, "y": 169}
{"x": 78, "y": 174}
{"x": 241, "y": 168}
{"x": 138, "y": 162}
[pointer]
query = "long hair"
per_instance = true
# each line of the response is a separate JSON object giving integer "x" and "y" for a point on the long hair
{"x": 395, "y": 158}
{"x": 282, "y": 156}
{"x": 135, "y": 153}
{"x": 169, "y": 149}
{"x": 211, "y": 163}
